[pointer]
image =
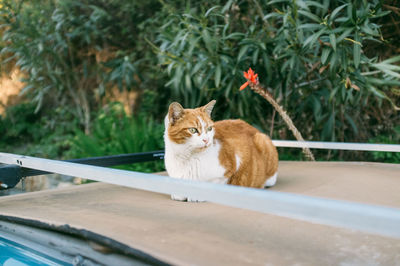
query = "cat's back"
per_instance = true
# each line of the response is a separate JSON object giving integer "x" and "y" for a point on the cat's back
{"x": 248, "y": 155}
{"x": 237, "y": 135}
{"x": 233, "y": 129}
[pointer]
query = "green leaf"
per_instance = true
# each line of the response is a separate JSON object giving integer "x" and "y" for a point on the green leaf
{"x": 316, "y": 4}
{"x": 391, "y": 60}
{"x": 344, "y": 35}
{"x": 197, "y": 67}
{"x": 327, "y": 131}
{"x": 207, "y": 40}
{"x": 357, "y": 51}
{"x": 255, "y": 56}
{"x": 350, "y": 12}
{"x": 178, "y": 77}
{"x": 188, "y": 82}
{"x": 277, "y": 1}
{"x": 382, "y": 14}
{"x": 210, "y": 10}
{"x": 205, "y": 80}
{"x": 228, "y": 89}
{"x": 313, "y": 38}
{"x": 227, "y": 6}
{"x": 242, "y": 51}
{"x": 365, "y": 28}
{"x": 316, "y": 106}
{"x": 170, "y": 67}
{"x": 325, "y": 54}
{"x": 26, "y": 89}
{"x": 352, "y": 123}
{"x": 218, "y": 76}
{"x": 310, "y": 15}
{"x": 267, "y": 65}
{"x": 333, "y": 93}
{"x": 234, "y": 36}
{"x": 389, "y": 72}
{"x": 302, "y": 4}
{"x": 377, "y": 92}
{"x": 310, "y": 26}
{"x": 271, "y": 15}
{"x": 336, "y": 11}
{"x": 383, "y": 82}
{"x": 332, "y": 38}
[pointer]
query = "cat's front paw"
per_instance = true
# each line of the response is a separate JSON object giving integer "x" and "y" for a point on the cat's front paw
{"x": 195, "y": 200}
{"x": 178, "y": 198}
{"x": 188, "y": 199}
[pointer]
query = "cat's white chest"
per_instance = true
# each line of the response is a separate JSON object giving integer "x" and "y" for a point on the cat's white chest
{"x": 202, "y": 166}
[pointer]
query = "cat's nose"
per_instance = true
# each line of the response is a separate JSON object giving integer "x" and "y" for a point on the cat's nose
{"x": 205, "y": 141}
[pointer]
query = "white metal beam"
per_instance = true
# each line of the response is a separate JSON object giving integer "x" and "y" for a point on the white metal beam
{"x": 362, "y": 217}
{"x": 337, "y": 145}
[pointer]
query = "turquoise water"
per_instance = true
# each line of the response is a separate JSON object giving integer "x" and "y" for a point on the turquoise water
{"x": 14, "y": 254}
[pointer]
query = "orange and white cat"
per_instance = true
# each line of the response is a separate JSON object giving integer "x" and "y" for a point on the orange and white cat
{"x": 224, "y": 152}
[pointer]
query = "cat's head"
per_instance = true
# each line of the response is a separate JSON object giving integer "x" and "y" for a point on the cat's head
{"x": 192, "y": 128}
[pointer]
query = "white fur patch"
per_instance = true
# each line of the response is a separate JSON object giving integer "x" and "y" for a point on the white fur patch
{"x": 271, "y": 181}
{"x": 183, "y": 163}
{"x": 202, "y": 123}
{"x": 188, "y": 161}
{"x": 238, "y": 161}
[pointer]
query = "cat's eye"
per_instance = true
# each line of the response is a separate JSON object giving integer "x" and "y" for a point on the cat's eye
{"x": 193, "y": 130}
{"x": 209, "y": 128}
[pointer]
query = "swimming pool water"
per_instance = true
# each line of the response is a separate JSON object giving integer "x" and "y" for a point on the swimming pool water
{"x": 15, "y": 254}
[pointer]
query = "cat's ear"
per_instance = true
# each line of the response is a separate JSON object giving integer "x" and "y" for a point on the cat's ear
{"x": 175, "y": 112}
{"x": 209, "y": 107}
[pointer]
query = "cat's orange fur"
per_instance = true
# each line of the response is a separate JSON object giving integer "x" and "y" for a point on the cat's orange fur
{"x": 258, "y": 156}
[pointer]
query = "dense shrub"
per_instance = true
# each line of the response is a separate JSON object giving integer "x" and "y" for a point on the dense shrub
{"x": 73, "y": 51}
{"x": 310, "y": 54}
{"x": 116, "y": 133}
{"x": 390, "y": 157}
{"x": 19, "y": 124}
{"x": 23, "y": 131}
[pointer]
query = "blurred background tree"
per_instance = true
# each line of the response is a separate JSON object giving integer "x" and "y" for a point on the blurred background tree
{"x": 334, "y": 65}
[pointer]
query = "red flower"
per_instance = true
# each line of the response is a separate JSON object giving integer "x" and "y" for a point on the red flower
{"x": 251, "y": 77}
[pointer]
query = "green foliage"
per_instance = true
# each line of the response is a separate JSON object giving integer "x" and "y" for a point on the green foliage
{"x": 73, "y": 51}
{"x": 387, "y": 157}
{"x": 310, "y": 54}
{"x": 58, "y": 136}
{"x": 116, "y": 133}
{"x": 332, "y": 64}
{"x": 23, "y": 131}
{"x": 20, "y": 124}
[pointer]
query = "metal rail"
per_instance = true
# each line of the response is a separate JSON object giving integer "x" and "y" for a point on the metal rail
{"x": 10, "y": 175}
{"x": 361, "y": 217}
{"x": 337, "y": 145}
